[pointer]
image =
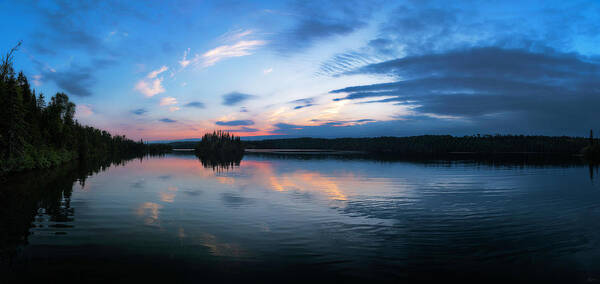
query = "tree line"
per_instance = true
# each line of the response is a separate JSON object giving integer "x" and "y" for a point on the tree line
{"x": 434, "y": 144}
{"x": 36, "y": 133}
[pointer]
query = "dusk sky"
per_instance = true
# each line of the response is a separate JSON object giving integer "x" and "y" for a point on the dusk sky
{"x": 162, "y": 70}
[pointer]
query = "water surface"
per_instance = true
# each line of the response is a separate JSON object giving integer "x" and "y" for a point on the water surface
{"x": 287, "y": 218}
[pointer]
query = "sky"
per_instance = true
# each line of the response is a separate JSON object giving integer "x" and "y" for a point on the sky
{"x": 160, "y": 70}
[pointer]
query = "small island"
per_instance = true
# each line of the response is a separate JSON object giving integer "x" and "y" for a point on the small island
{"x": 220, "y": 150}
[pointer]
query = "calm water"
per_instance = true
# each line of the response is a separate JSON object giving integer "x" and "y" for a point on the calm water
{"x": 285, "y": 219}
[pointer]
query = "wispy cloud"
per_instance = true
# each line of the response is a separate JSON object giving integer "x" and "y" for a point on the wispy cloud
{"x": 168, "y": 101}
{"x": 241, "y": 48}
{"x": 184, "y": 62}
{"x": 152, "y": 85}
{"x": 155, "y": 73}
{"x": 234, "y": 46}
{"x": 302, "y": 103}
{"x": 267, "y": 71}
{"x": 235, "y": 35}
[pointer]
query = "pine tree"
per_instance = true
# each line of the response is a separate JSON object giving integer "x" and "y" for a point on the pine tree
{"x": 16, "y": 132}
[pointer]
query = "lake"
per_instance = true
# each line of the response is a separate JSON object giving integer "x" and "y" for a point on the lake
{"x": 290, "y": 218}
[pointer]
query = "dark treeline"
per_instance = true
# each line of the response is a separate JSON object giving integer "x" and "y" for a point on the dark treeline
{"x": 37, "y": 134}
{"x": 434, "y": 144}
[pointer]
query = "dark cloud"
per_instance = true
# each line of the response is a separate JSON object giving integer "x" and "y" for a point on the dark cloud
{"x": 321, "y": 20}
{"x": 167, "y": 120}
{"x": 139, "y": 111}
{"x": 302, "y": 103}
{"x": 195, "y": 104}
{"x": 493, "y": 88}
{"x": 303, "y": 106}
{"x": 235, "y": 98}
{"x": 489, "y": 62}
{"x": 243, "y": 129}
{"x": 75, "y": 81}
{"x": 235, "y": 123}
{"x": 428, "y": 27}
{"x": 67, "y": 27}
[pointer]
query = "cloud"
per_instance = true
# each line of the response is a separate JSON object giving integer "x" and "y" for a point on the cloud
{"x": 83, "y": 110}
{"x": 235, "y": 35}
{"x": 184, "y": 62}
{"x": 75, "y": 80}
{"x": 150, "y": 89}
{"x": 195, "y": 104}
{"x": 139, "y": 111}
{"x": 241, "y": 48}
{"x": 346, "y": 122}
{"x": 173, "y": 108}
{"x": 157, "y": 72}
{"x": 168, "y": 101}
{"x": 267, "y": 71}
{"x": 407, "y": 126}
{"x": 235, "y": 98}
{"x": 346, "y": 61}
{"x": 65, "y": 29}
{"x": 316, "y": 21}
{"x": 152, "y": 85}
{"x": 235, "y": 122}
{"x": 302, "y": 103}
{"x": 428, "y": 27}
{"x": 167, "y": 120}
{"x": 37, "y": 80}
{"x": 492, "y": 88}
{"x": 243, "y": 129}
{"x": 235, "y": 47}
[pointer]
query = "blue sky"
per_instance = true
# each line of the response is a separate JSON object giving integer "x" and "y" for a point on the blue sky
{"x": 174, "y": 69}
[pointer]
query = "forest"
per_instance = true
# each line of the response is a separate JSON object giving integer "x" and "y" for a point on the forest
{"x": 37, "y": 134}
{"x": 436, "y": 144}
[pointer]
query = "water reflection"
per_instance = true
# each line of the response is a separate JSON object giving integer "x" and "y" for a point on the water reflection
{"x": 221, "y": 163}
{"x": 347, "y": 218}
{"x": 39, "y": 203}
{"x": 150, "y": 212}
